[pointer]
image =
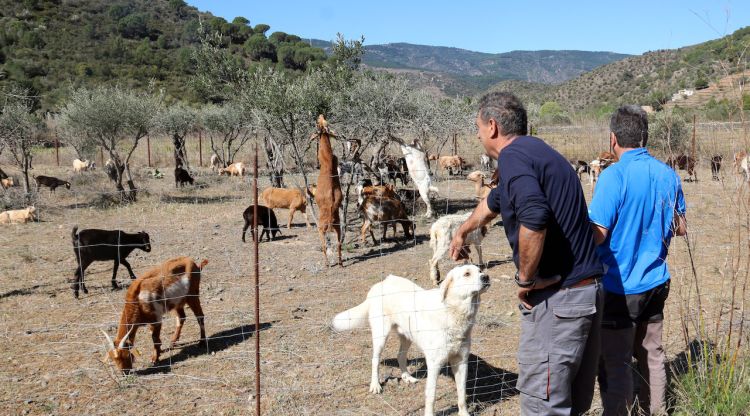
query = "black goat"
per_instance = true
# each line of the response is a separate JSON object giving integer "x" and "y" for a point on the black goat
{"x": 50, "y": 182}
{"x": 109, "y": 168}
{"x": 266, "y": 218}
{"x": 101, "y": 245}
{"x": 716, "y": 166}
{"x": 181, "y": 176}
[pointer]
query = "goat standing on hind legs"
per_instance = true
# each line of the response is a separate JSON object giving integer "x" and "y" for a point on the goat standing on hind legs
{"x": 328, "y": 195}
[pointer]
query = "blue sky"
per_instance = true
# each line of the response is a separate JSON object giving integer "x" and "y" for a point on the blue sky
{"x": 632, "y": 27}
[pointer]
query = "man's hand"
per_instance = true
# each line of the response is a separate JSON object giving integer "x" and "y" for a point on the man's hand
{"x": 539, "y": 283}
{"x": 459, "y": 251}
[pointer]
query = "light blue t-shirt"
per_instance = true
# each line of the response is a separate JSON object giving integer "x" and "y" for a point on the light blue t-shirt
{"x": 636, "y": 200}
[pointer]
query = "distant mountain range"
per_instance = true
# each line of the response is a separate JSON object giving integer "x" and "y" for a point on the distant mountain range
{"x": 464, "y": 72}
{"x": 578, "y": 80}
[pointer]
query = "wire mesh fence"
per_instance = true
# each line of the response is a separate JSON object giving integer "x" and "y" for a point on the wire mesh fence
{"x": 54, "y": 345}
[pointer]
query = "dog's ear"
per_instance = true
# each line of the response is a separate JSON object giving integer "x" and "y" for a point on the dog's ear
{"x": 445, "y": 285}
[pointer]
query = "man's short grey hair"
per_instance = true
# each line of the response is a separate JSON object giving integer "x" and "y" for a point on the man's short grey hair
{"x": 629, "y": 123}
{"x": 507, "y": 111}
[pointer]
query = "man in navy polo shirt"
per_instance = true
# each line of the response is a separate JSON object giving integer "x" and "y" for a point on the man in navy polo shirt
{"x": 638, "y": 205}
{"x": 546, "y": 222}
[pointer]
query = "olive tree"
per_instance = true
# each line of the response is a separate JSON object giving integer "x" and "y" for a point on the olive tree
{"x": 228, "y": 128}
{"x": 116, "y": 120}
{"x": 177, "y": 121}
{"x": 668, "y": 132}
{"x": 20, "y": 132}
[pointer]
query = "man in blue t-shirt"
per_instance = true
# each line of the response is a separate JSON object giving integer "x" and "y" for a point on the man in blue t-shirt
{"x": 637, "y": 206}
{"x": 546, "y": 222}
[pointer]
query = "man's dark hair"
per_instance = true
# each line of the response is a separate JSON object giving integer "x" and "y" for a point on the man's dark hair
{"x": 629, "y": 123}
{"x": 507, "y": 111}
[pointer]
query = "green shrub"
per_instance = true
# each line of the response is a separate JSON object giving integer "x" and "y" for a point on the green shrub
{"x": 714, "y": 384}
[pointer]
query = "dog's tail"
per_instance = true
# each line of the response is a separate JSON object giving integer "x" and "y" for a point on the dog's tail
{"x": 355, "y": 317}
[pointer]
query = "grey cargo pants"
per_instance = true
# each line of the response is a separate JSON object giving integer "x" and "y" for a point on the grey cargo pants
{"x": 559, "y": 350}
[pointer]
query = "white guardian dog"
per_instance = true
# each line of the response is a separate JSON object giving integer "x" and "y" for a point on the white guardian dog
{"x": 439, "y": 321}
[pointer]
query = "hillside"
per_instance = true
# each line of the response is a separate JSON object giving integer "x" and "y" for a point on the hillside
{"x": 650, "y": 78}
{"x": 52, "y": 45}
{"x": 463, "y": 72}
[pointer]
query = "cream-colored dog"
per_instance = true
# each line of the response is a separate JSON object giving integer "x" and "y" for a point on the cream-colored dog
{"x": 439, "y": 321}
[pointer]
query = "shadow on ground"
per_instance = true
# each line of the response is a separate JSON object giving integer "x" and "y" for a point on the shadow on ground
{"x": 215, "y": 343}
{"x": 485, "y": 384}
{"x": 193, "y": 199}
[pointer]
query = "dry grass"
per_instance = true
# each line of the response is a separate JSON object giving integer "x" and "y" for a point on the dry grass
{"x": 52, "y": 343}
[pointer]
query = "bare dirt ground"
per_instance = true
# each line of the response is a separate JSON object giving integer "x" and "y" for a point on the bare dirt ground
{"x": 52, "y": 343}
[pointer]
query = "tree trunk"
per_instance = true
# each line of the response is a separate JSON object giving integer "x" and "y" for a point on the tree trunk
{"x": 180, "y": 155}
{"x": 274, "y": 162}
{"x": 26, "y": 184}
{"x": 300, "y": 164}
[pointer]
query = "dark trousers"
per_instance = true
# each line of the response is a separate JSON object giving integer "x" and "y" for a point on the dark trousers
{"x": 559, "y": 350}
{"x": 632, "y": 327}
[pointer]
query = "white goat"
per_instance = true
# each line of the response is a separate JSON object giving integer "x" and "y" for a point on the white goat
{"x": 416, "y": 163}
{"x": 441, "y": 234}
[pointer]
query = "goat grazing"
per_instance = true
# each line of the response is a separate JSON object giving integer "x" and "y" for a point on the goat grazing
{"x": 102, "y": 245}
{"x": 181, "y": 177}
{"x": 441, "y": 234}
{"x": 384, "y": 211}
{"x": 451, "y": 163}
{"x": 50, "y": 182}
{"x": 235, "y": 169}
{"x": 82, "y": 165}
{"x": 328, "y": 195}
{"x": 19, "y": 216}
{"x": 164, "y": 288}
{"x": 291, "y": 199}
{"x": 266, "y": 218}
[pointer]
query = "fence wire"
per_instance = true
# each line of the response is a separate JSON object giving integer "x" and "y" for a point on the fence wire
{"x": 54, "y": 345}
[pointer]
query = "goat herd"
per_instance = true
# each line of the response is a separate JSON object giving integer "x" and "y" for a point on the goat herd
{"x": 175, "y": 283}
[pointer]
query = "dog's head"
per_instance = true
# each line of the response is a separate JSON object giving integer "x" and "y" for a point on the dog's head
{"x": 464, "y": 282}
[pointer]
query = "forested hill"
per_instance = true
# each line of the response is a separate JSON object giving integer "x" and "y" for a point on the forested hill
{"x": 464, "y": 72}
{"x": 648, "y": 79}
{"x": 52, "y": 45}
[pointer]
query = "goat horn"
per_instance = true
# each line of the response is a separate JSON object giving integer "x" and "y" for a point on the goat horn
{"x": 125, "y": 338}
{"x": 110, "y": 343}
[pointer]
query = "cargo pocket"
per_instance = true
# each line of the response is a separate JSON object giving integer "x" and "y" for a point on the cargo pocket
{"x": 533, "y": 374}
{"x": 572, "y": 327}
{"x": 574, "y": 311}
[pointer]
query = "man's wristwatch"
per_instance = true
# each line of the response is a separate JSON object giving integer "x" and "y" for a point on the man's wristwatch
{"x": 527, "y": 284}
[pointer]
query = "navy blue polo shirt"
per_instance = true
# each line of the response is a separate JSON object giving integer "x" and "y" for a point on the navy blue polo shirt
{"x": 636, "y": 200}
{"x": 538, "y": 189}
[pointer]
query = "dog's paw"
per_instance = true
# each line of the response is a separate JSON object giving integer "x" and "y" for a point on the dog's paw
{"x": 376, "y": 388}
{"x": 406, "y": 378}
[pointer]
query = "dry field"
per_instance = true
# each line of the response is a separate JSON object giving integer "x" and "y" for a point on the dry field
{"x": 52, "y": 343}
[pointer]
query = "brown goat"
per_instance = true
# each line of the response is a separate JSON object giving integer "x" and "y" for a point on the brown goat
{"x": 291, "y": 199}
{"x": 328, "y": 194}
{"x": 385, "y": 211}
{"x": 164, "y": 288}
{"x": 450, "y": 163}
